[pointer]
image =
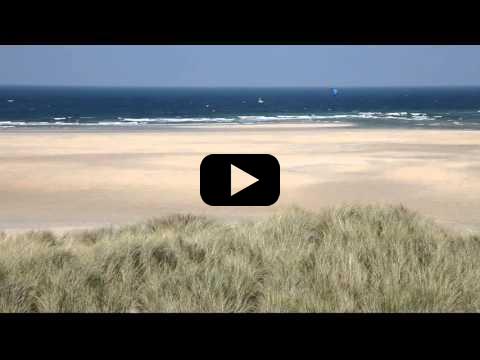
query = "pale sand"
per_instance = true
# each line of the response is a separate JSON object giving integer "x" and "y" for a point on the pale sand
{"x": 74, "y": 179}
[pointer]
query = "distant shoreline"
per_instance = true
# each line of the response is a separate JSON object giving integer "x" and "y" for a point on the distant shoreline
{"x": 152, "y": 129}
{"x": 174, "y": 127}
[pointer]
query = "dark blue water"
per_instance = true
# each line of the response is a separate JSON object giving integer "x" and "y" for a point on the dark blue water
{"x": 447, "y": 107}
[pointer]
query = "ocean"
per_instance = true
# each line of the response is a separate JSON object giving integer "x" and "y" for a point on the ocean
{"x": 440, "y": 107}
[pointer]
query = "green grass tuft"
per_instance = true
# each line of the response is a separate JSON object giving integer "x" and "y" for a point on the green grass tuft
{"x": 348, "y": 259}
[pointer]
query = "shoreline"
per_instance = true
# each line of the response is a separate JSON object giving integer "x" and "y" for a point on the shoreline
{"x": 172, "y": 127}
{"x": 200, "y": 126}
{"x": 60, "y": 179}
{"x": 276, "y": 126}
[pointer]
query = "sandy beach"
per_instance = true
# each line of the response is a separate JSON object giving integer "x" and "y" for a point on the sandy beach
{"x": 62, "y": 178}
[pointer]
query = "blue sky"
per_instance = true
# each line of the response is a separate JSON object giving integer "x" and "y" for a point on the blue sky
{"x": 258, "y": 65}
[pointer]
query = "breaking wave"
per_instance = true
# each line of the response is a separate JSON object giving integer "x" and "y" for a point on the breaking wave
{"x": 400, "y": 118}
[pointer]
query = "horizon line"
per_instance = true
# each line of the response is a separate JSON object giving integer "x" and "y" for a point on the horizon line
{"x": 234, "y": 86}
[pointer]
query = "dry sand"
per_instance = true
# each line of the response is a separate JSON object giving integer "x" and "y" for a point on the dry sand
{"x": 61, "y": 179}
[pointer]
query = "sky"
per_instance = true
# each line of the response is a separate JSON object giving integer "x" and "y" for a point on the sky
{"x": 235, "y": 65}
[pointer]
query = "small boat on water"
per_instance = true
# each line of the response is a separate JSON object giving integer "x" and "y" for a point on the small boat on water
{"x": 260, "y": 100}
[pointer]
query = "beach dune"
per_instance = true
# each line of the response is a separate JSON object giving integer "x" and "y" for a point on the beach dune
{"x": 63, "y": 178}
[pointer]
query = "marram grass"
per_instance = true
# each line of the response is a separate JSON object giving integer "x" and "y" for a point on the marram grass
{"x": 348, "y": 259}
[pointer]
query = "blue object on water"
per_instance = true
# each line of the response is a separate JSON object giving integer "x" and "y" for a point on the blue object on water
{"x": 334, "y": 91}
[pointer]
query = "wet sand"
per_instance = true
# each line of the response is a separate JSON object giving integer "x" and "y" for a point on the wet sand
{"x": 62, "y": 178}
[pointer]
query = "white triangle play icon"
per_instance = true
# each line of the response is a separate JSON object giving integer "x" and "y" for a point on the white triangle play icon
{"x": 240, "y": 180}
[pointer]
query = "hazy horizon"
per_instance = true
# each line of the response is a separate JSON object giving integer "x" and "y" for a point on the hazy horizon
{"x": 241, "y": 87}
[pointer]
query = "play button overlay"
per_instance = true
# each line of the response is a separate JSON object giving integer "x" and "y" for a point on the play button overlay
{"x": 240, "y": 180}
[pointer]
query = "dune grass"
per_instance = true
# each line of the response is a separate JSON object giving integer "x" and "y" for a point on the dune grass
{"x": 348, "y": 259}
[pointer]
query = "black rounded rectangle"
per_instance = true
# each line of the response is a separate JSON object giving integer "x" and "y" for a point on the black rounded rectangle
{"x": 216, "y": 180}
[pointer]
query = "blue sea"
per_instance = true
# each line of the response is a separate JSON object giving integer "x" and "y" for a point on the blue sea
{"x": 440, "y": 107}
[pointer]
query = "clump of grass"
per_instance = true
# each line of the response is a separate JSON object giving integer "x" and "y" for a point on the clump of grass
{"x": 348, "y": 259}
